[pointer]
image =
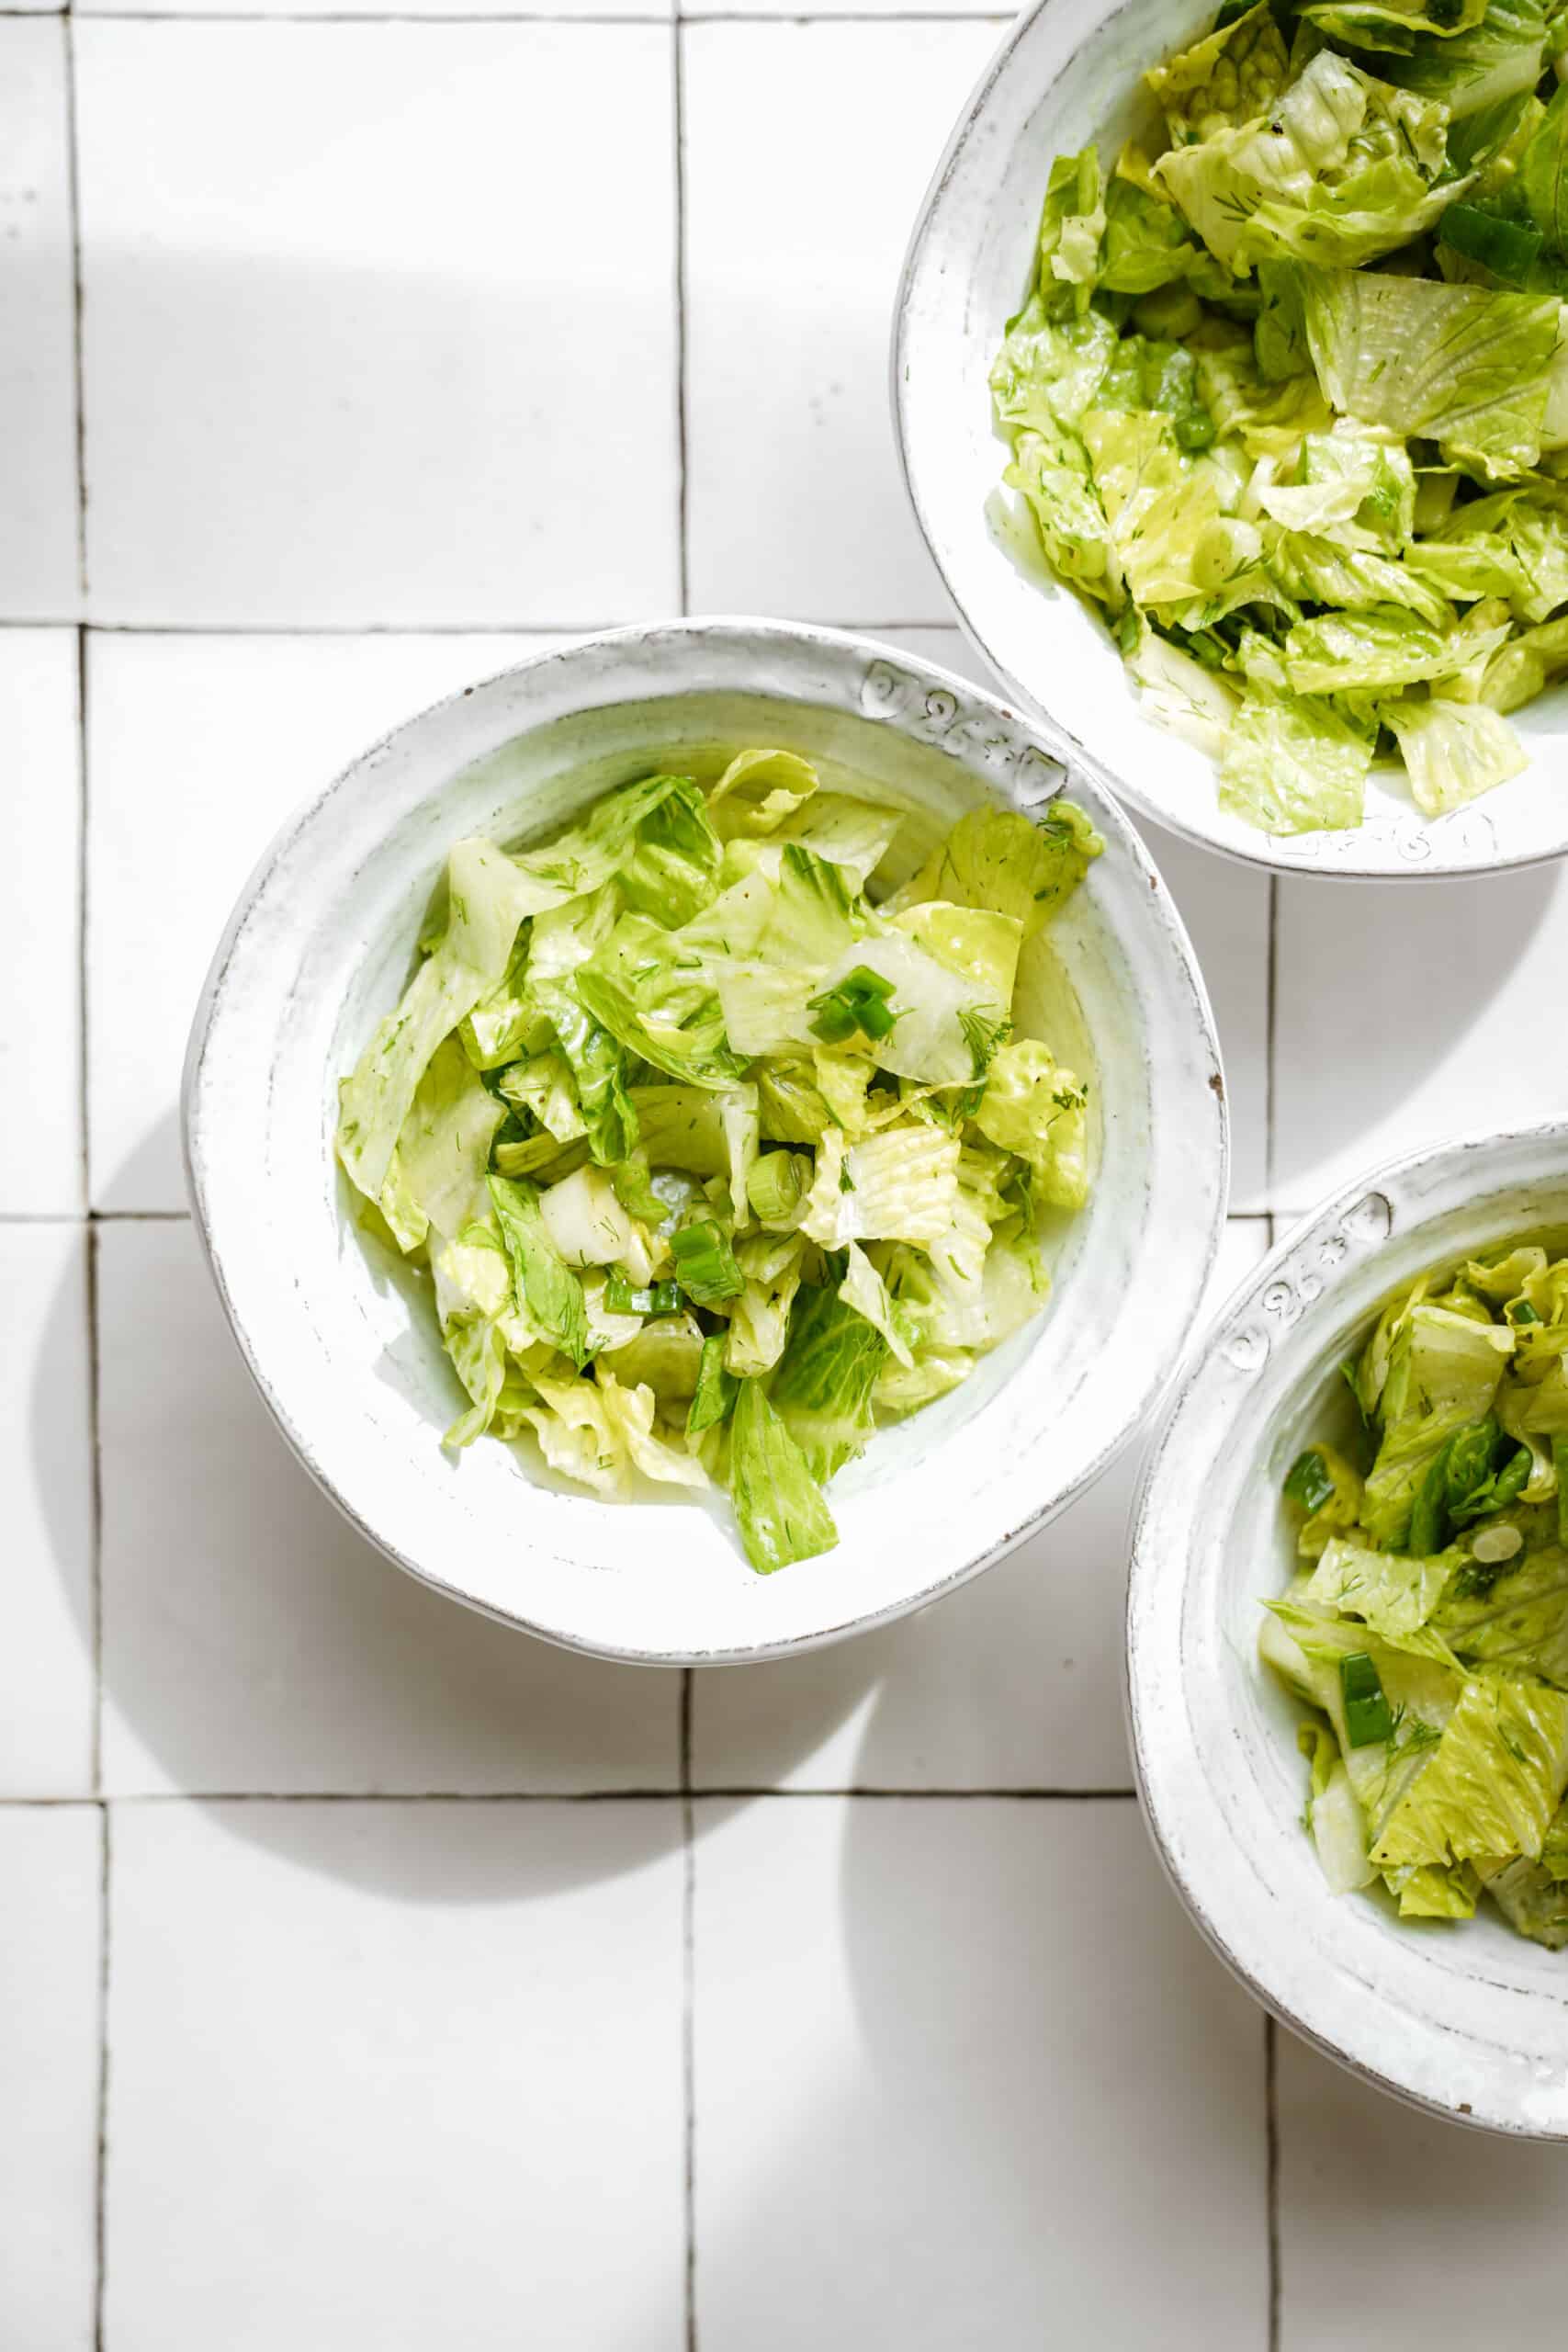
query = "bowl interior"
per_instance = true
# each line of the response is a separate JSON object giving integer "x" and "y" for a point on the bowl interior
{"x": 343, "y": 1342}
{"x": 1066, "y": 74}
{"x": 1467, "y": 2017}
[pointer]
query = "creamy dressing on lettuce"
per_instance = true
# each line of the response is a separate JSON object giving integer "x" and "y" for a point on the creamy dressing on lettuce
{"x": 1288, "y": 400}
{"x": 716, "y": 1150}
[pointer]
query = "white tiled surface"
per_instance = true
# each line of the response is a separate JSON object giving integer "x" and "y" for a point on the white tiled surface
{"x": 412, "y": 1926}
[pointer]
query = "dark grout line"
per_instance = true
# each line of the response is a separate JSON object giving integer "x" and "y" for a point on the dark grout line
{"x": 100, "y": 2170}
{"x": 309, "y": 630}
{"x": 361, "y": 17}
{"x": 73, "y": 206}
{"x": 688, "y": 2010}
{"x": 1270, "y": 1009}
{"x": 1271, "y": 2173}
{"x": 95, "y": 1512}
{"x": 687, "y": 1796}
{"x": 683, "y": 485}
{"x": 94, "y": 1217}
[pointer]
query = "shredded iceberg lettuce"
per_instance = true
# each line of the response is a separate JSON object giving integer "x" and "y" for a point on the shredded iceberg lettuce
{"x": 1287, "y": 398}
{"x": 1427, "y": 1626}
{"x": 710, "y": 1155}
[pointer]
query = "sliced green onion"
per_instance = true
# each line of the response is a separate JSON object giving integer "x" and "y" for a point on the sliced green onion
{"x": 1520, "y": 1310}
{"x": 704, "y": 1264}
{"x": 713, "y": 1398}
{"x": 658, "y": 1298}
{"x": 1310, "y": 1482}
{"x": 1368, "y": 1715}
{"x": 776, "y": 1183}
{"x": 859, "y": 1001}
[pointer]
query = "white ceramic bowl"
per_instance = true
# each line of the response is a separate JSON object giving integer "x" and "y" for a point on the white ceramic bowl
{"x": 347, "y": 1356}
{"x": 1068, "y": 72}
{"x": 1470, "y": 2020}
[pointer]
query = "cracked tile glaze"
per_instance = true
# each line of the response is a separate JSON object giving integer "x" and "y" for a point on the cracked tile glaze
{"x": 1068, "y": 71}
{"x": 1472, "y": 2022}
{"x": 342, "y": 1345}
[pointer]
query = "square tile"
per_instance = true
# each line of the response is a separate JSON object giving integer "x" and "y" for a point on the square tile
{"x": 794, "y": 499}
{"x": 1012, "y": 1682}
{"x": 252, "y": 1640}
{"x": 41, "y": 1036}
{"x": 46, "y": 1477}
{"x": 40, "y": 566}
{"x": 379, "y": 323}
{"x": 378, "y": 2079}
{"x": 50, "y": 1867}
{"x": 198, "y": 749}
{"x": 1453, "y": 2238}
{"x": 1226, "y": 907}
{"x": 1410, "y": 1013}
{"x": 964, "y": 2076}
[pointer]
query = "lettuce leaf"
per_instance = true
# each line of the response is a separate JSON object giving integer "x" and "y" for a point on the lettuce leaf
{"x": 1493, "y": 1783}
{"x": 1452, "y": 751}
{"x": 777, "y": 1502}
{"x": 1292, "y": 764}
{"x": 546, "y": 1289}
{"x": 1228, "y": 79}
{"x": 823, "y": 1386}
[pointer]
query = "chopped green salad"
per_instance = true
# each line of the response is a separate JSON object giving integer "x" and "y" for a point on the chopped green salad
{"x": 711, "y": 1159}
{"x": 1289, "y": 398}
{"x": 1427, "y": 1624}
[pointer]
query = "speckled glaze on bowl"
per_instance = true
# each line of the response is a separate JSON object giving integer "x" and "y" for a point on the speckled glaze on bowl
{"x": 1470, "y": 2020}
{"x": 1068, "y": 71}
{"x": 346, "y": 1351}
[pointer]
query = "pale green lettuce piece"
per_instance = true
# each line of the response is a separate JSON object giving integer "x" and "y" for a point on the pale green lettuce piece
{"x": 864, "y": 1289}
{"x": 672, "y": 871}
{"x": 758, "y": 1318}
{"x": 741, "y": 1128}
{"x": 1532, "y": 1902}
{"x": 1341, "y": 169}
{"x": 1526, "y": 533}
{"x": 759, "y": 789}
{"x": 1340, "y": 652}
{"x": 646, "y": 988}
{"x": 1180, "y": 695}
{"x": 665, "y": 1355}
{"x": 444, "y": 1145}
{"x": 1033, "y": 1107}
{"x": 680, "y": 1126}
{"x": 1443, "y": 1372}
{"x": 1050, "y": 370}
{"x": 1521, "y": 1625}
{"x": 900, "y": 1185}
{"x": 546, "y": 1290}
{"x": 1231, "y": 77}
{"x": 945, "y": 1023}
{"x": 823, "y": 1386}
{"x": 1390, "y": 1592}
{"x": 1492, "y": 1784}
{"x": 630, "y": 1418}
{"x": 1452, "y": 749}
{"x": 488, "y": 898}
{"x": 977, "y": 941}
{"x": 1145, "y": 243}
{"x": 1071, "y": 221}
{"x": 598, "y": 1064}
{"x": 1455, "y": 364}
{"x": 778, "y": 1504}
{"x": 1311, "y": 568}
{"x": 1000, "y": 859}
{"x": 588, "y": 1225}
{"x": 1391, "y": 24}
{"x": 935, "y": 1370}
{"x": 844, "y": 831}
{"x": 1334, "y": 1817}
{"x": 1167, "y": 511}
{"x": 1294, "y": 765}
{"x": 766, "y": 1006}
{"x": 816, "y": 913}
{"x": 1495, "y": 60}
{"x": 544, "y": 1086}
{"x": 1051, "y": 468}
{"x": 479, "y": 1357}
